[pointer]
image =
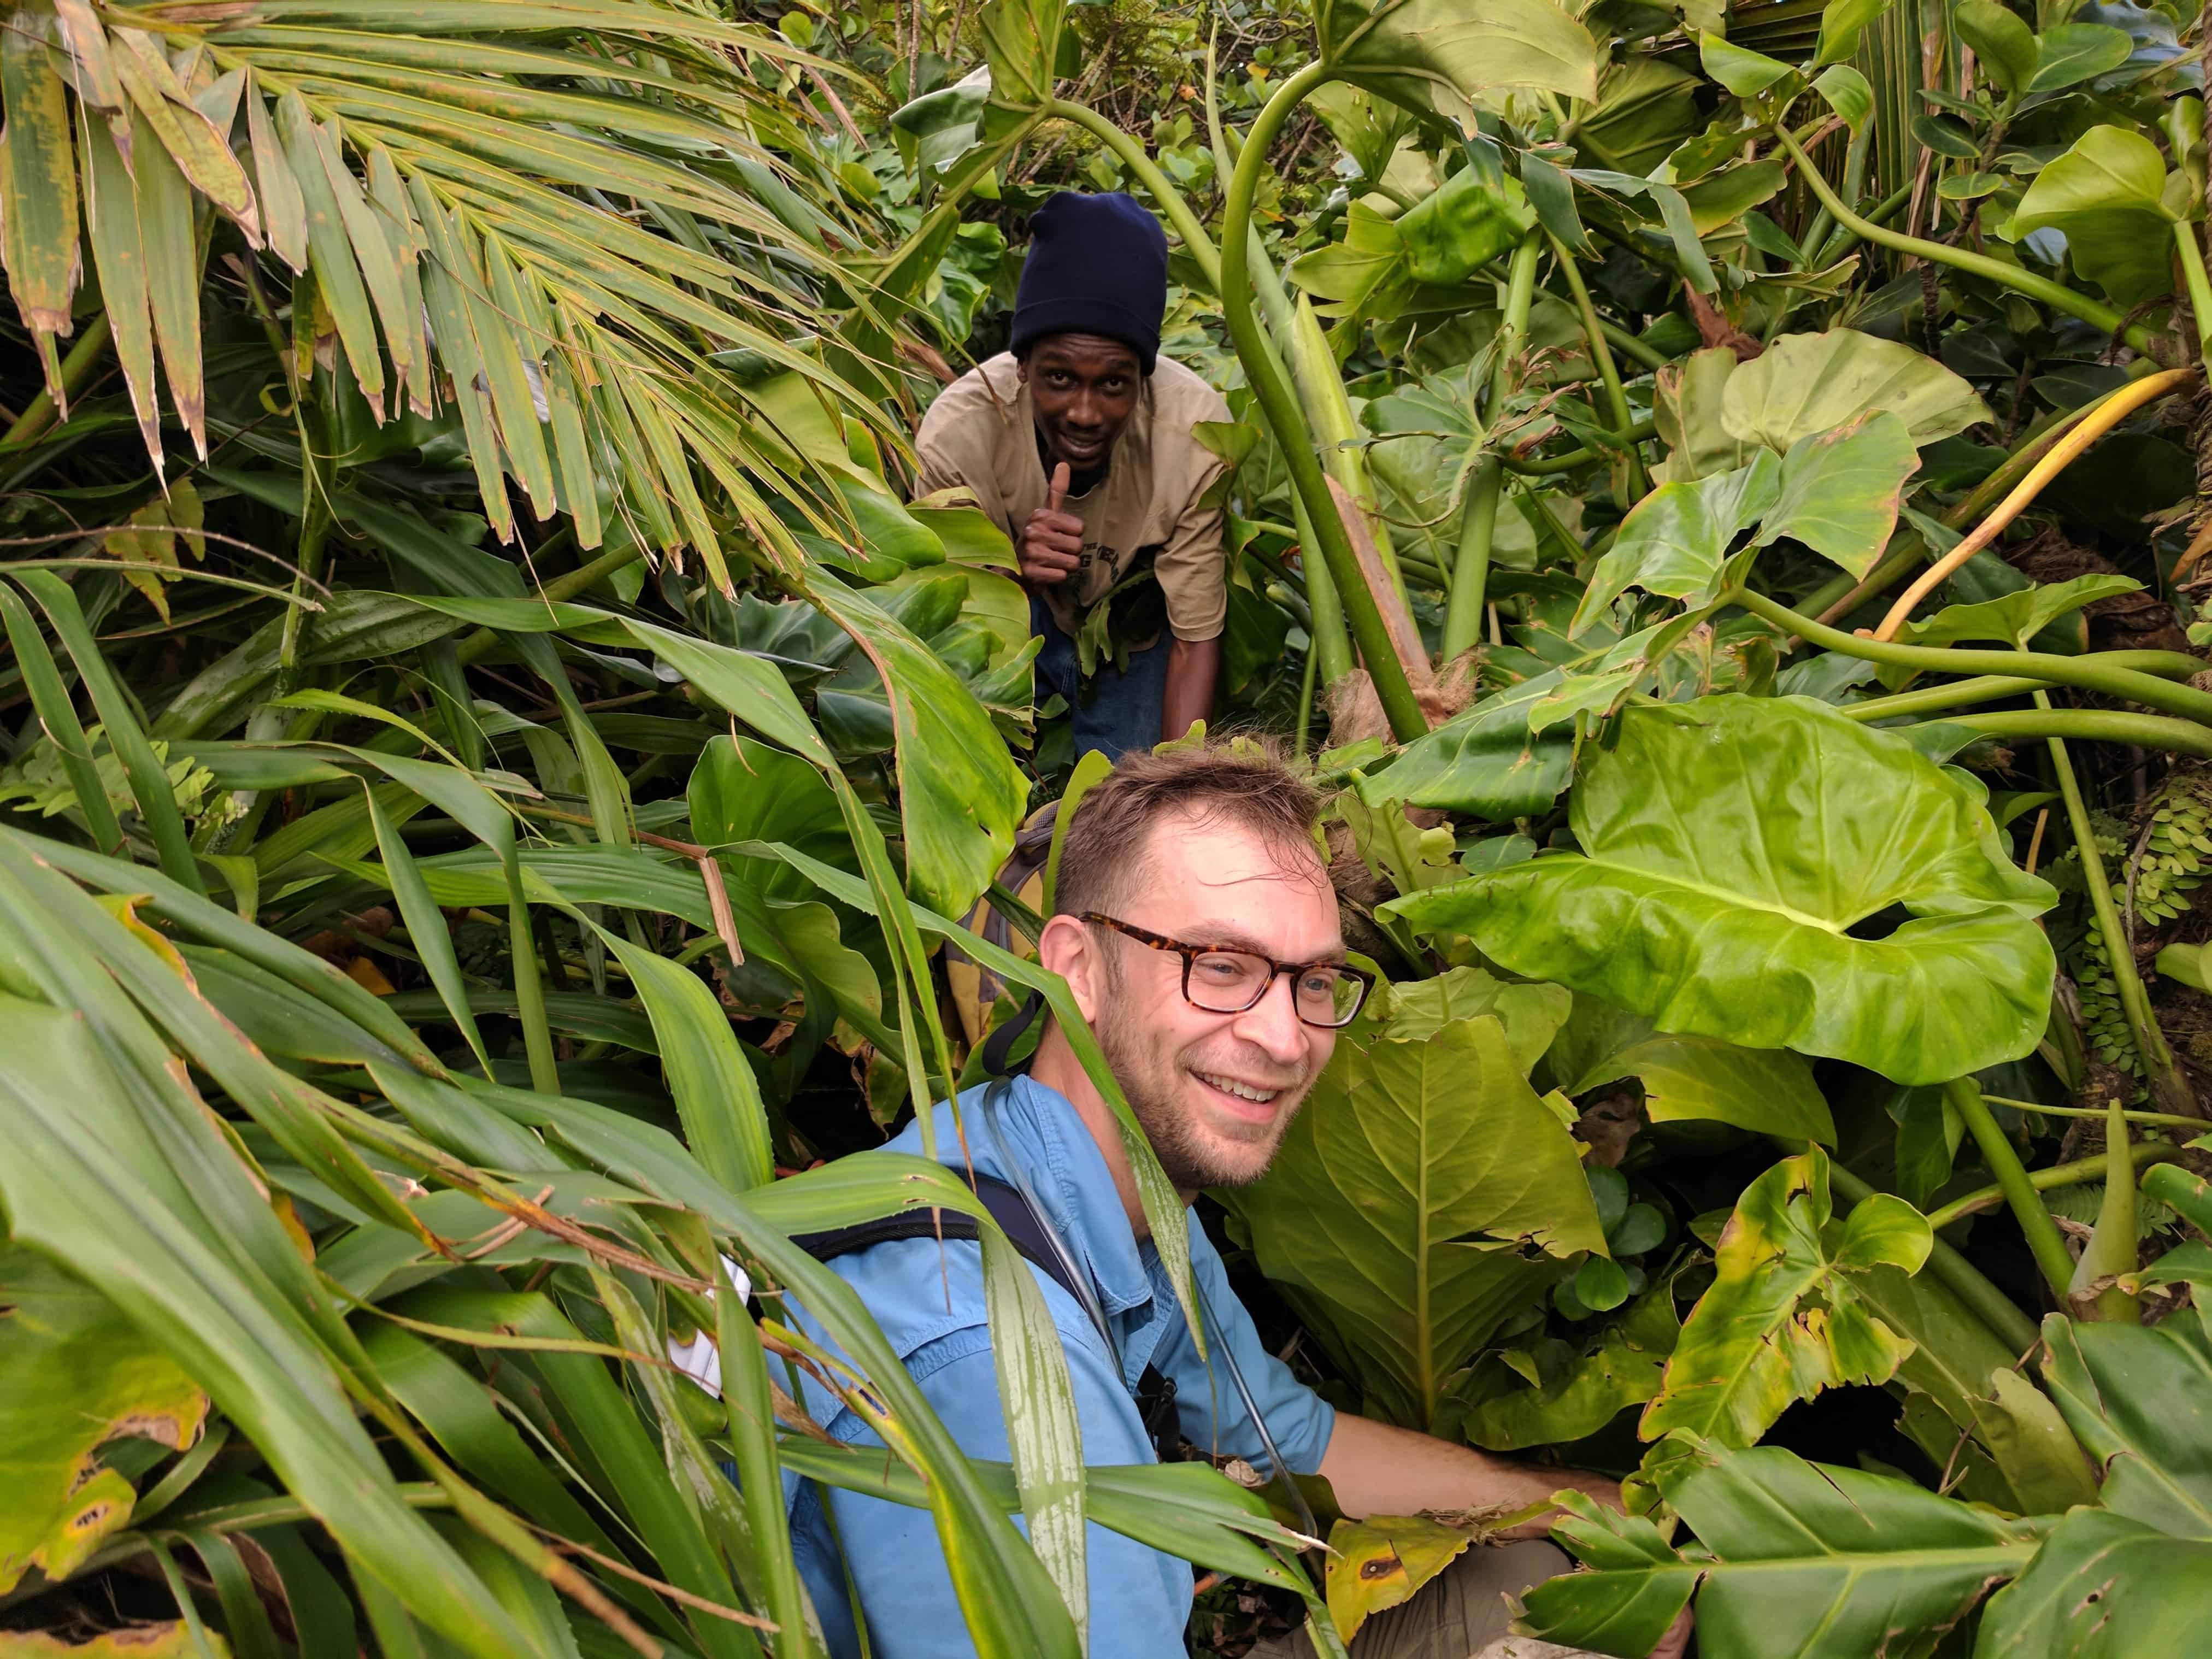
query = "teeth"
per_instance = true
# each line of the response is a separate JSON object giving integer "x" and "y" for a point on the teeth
{"x": 1242, "y": 1090}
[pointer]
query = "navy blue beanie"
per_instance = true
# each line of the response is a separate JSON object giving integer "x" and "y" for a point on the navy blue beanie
{"x": 1096, "y": 265}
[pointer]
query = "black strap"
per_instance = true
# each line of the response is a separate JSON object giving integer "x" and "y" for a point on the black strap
{"x": 1025, "y": 1231}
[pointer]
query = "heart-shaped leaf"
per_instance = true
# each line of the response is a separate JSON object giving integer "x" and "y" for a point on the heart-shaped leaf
{"x": 2106, "y": 194}
{"x": 1676, "y": 539}
{"x": 1841, "y": 490}
{"x": 2016, "y": 619}
{"x": 1743, "y": 860}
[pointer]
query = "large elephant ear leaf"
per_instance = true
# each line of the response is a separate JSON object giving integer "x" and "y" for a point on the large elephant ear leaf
{"x": 1784, "y": 1319}
{"x": 1424, "y": 1195}
{"x": 1807, "y": 383}
{"x": 1765, "y": 1091}
{"x": 1432, "y": 57}
{"x": 1764, "y": 871}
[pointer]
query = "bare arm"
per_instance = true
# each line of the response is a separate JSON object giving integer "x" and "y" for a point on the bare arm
{"x": 1193, "y": 667}
{"x": 1376, "y": 1469}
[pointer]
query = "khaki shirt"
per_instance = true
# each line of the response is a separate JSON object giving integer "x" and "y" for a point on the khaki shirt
{"x": 980, "y": 434}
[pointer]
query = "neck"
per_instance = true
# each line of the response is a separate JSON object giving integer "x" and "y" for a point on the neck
{"x": 1057, "y": 1068}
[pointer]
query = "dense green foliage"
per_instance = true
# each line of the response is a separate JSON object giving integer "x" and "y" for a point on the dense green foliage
{"x": 493, "y": 757}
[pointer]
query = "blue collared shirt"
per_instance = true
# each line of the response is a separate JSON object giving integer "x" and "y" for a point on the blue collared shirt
{"x": 928, "y": 1298}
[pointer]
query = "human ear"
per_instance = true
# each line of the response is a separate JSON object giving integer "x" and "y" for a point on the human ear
{"x": 1068, "y": 949}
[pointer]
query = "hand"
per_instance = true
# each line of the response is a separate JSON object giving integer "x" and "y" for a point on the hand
{"x": 1052, "y": 541}
{"x": 1676, "y": 1641}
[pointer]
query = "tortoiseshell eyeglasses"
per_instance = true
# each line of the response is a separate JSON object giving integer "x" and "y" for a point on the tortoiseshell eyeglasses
{"x": 1224, "y": 980}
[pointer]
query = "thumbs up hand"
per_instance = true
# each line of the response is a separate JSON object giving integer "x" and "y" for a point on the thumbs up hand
{"x": 1052, "y": 541}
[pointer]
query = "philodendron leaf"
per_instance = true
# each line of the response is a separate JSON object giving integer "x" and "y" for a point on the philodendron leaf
{"x": 1434, "y": 56}
{"x": 2003, "y": 46}
{"x": 1674, "y": 541}
{"x": 1807, "y": 383}
{"x": 2073, "y": 52}
{"x": 73, "y": 1374}
{"x": 2139, "y": 1398}
{"x": 1744, "y": 72}
{"x": 1424, "y": 1194}
{"x": 1624, "y": 1370}
{"x": 1736, "y": 851}
{"x": 1794, "y": 1558}
{"x": 2014, "y": 618}
{"x": 1782, "y": 1321}
{"x": 1765, "y": 1091}
{"x": 1531, "y": 1014}
{"x": 2107, "y": 195}
{"x": 1841, "y": 490}
{"x": 2103, "y": 1587}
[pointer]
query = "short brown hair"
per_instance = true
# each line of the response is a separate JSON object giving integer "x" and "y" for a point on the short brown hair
{"x": 1243, "y": 782}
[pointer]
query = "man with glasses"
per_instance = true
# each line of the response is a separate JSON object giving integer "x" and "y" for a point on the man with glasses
{"x": 1196, "y": 926}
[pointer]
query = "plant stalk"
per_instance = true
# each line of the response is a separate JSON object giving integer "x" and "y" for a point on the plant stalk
{"x": 83, "y": 357}
{"x": 1478, "y": 513}
{"x": 2096, "y": 725}
{"x": 2044, "y": 1242}
{"x": 2169, "y": 1085}
{"x": 2086, "y": 673}
{"x": 2056, "y": 295}
{"x": 1392, "y": 689}
{"x": 1608, "y": 372}
{"x": 2200, "y": 290}
{"x": 2076, "y": 1174}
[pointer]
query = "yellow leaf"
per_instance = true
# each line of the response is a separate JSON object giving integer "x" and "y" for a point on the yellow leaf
{"x": 170, "y": 1641}
{"x": 124, "y": 906}
{"x": 1378, "y": 1563}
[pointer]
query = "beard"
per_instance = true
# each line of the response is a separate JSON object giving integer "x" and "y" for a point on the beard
{"x": 1195, "y": 1153}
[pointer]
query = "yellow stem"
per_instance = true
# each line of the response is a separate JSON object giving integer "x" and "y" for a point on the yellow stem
{"x": 2108, "y": 415}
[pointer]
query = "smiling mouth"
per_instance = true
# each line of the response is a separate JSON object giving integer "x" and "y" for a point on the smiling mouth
{"x": 1251, "y": 1094}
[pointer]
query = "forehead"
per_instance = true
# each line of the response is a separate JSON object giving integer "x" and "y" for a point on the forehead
{"x": 1208, "y": 881}
{"x": 1087, "y": 353}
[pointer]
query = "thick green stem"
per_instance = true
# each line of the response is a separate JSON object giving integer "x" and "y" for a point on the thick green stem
{"x": 2086, "y": 673}
{"x": 2157, "y": 1120}
{"x": 2200, "y": 290}
{"x": 1269, "y": 390}
{"x": 1131, "y": 155}
{"x": 2044, "y": 1242}
{"x": 1332, "y": 644}
{"x": 1312, "y": 368}
{"x": 2054, "y": 295}
{"x": 2076, "y": 1174}
{"x": 1306, "y": 695}
{"x": 1955, "y": 1273}
{"x": 2169, "y": 1085}
{"x": 1842, "y": 239}
{"x": 1593, "y": 333}
{"x": 1479, "y": 514}
{"x": 2097, "y": 725}
{"x": 1549, "y": 465}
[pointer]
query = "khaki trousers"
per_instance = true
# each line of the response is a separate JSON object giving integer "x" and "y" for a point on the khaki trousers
{"x": 1461, "y": 1613}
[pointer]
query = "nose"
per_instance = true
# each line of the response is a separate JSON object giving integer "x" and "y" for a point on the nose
{"x": 1083, "y": 413}
{"x": 1272, "y": 1025}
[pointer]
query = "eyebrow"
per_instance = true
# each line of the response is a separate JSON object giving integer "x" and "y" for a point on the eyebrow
{"x": 1236, "y": 938}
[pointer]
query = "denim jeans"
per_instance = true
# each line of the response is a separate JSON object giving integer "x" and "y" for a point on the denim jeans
{"x": 1114, "y": 712}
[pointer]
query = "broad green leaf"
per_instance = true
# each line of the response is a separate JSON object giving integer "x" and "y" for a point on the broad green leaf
{"x": 1744, "y": 72}
{"x": 1624, "y": 1372}
{"x": 73, "y": 1374}
{"x": 1675, "y": 540}
{"x": 1767, "y": 1090}
{"x": 1434, "y": 57}
{"x": 1782, "y": 1321}
{"x": 1842, "y": 22}
{"x": 2073, "y": 52}
{"x": 741, "y": 790}
{"x": 1796, "y": 1557}
{"x": 1810, "y": 383}
{"x": 1848, "y": 92}
{"x": 1423, "y": 1193}
{"x": 2103, "y": 1586}
{"x": 1720, "y": 198}
{"x": 1687, "y": 402}
{"x": 2013, "y": 619}
{"x": 2106, "y": 194}
{"x": 1021, "y": 42}
{"x": 1730, "y": 845}
{"x": 2137, "y": 1399}
{"x": 1484, "y": 762}
{"x": 1531, "y": 1014}
{"x": 1841, "y": 490}
{"x": 1465, "y": 224}
{"x": 2004, "y": 44}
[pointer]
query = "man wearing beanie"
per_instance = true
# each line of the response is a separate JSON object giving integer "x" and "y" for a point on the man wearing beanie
{"x": 1079, "y": 442}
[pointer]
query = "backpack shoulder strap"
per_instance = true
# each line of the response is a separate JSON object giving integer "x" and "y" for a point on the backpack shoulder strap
{"x": 1024, "y": 1230}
